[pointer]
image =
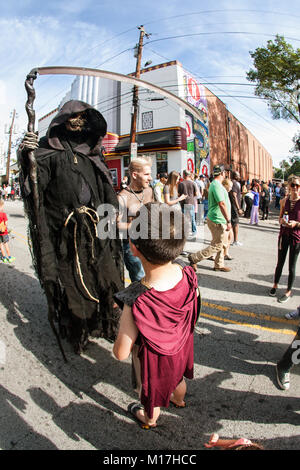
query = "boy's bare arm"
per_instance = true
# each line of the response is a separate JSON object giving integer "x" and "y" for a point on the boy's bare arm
{"x": 127, "y": 335}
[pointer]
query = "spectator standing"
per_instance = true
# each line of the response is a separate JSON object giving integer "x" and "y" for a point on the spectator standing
{"x": 124, "y": 182}
{"x": 205, "y": 198}
{"x": 218, "y": 221}
{"x": 8, "y": 191}
{"x": 201, "y": 187}
{"x": 289, "y": 237}
{"x": 170, "y": 191}
{"x": 244, "y": 191}
{"x": 188, "y": 188}
{"x": 277, "y": 195}
{"x": 227, "y": 183}
{"x": 249, "y": 202}
{"x": 4, "y": 237}
{"x": 236, "y": 206}
{"x": 130, "y": 200}
{"x": 255, "y": 206}
{"x": 159, "y": 187}
{"x": 286, "y": 363}
{"x": 264, "y": 202}
{"x": 12, "y": 193}
{"x": 284, "y": 190}
{"x": 270, "y": 186}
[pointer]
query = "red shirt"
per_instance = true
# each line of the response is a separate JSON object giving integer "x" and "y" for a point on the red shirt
{"x": 166, "y": 321}
{"x": 3, "y": 218}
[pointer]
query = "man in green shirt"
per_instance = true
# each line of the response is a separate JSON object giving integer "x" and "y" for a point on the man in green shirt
{"x": 218, "y": 222}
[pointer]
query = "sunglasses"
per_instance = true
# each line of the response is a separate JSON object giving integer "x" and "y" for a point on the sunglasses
{"x": 293, "y": 185}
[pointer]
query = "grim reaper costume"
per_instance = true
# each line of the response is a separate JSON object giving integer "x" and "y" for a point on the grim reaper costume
{"x": 78, "y": 271}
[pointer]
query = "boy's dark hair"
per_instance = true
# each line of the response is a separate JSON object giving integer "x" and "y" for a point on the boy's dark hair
{"x": 165, "y": 233}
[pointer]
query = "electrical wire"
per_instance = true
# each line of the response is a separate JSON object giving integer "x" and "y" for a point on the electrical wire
{"x": 221, "y": 11}
{"x": 209, "y": 33}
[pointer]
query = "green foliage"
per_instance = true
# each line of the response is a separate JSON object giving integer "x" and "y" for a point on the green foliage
{"x": 277, "y": 77}
{"x": 295, "y": 168}
{"x": 287, "y": 168}
{"x": 295, "y": 151}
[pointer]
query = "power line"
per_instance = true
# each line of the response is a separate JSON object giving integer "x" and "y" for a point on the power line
{"x": 222, "y": 11}
{"x": 209, "y": 33}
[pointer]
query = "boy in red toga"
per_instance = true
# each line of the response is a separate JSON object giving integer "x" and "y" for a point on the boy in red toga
{"x": 159, "y": 313}
{"x": 4, "y": 237}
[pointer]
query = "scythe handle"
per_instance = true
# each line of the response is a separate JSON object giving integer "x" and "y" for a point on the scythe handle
{"x": 31, "y": 155}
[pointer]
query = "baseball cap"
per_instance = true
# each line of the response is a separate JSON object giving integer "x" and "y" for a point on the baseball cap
{"x": 163, "y": 175}
{"x": 218, "y": 169}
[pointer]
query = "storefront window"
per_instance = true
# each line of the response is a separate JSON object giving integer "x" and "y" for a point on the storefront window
{"x": 126, "y": 161}
{"x": 162, "y": 162}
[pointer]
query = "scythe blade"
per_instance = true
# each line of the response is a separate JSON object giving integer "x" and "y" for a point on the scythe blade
{"x": 61, "y": 70}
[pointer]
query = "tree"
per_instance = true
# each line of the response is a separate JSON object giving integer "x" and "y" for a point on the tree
{"x": 277, "y": 77}
{"x": 295, "y": 151}
{"x": 295, "y": 168}
{"x": 285, "y": 168}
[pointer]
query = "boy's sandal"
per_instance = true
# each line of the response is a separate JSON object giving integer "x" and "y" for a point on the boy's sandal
{"x": 133, "y": 408}
{"x": 178, "y": 406}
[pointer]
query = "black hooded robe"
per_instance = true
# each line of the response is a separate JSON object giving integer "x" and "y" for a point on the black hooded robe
{"x": 79, "y": 272}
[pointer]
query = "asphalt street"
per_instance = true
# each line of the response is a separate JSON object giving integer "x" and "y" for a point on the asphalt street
{"x": 46, "y": 404}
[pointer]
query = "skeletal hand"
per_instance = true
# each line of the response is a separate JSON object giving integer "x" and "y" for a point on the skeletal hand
{"x": 30, "y": 141}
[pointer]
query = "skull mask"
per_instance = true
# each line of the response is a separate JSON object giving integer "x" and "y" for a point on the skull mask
{"x": 76, "y": 122}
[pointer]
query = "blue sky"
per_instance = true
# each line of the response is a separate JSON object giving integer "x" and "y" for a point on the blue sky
{"x": 103, "y": 34}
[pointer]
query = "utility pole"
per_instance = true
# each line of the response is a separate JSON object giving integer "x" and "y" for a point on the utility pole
{"x": 9, "y": 146}
{"x": 132, "y": 143}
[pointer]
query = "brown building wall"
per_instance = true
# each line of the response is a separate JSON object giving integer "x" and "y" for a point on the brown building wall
{"x": 218, "y": 139}
{"x": 233, "y": 145}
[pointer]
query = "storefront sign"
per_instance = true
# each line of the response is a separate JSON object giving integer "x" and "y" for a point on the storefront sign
{"x": 190, "y": 165}
{"x": 133, "y": 150}
{"x": 204, "y": 168}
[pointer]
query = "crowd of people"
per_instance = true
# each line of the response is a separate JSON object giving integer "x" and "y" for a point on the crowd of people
{"x": 10, "y": 192}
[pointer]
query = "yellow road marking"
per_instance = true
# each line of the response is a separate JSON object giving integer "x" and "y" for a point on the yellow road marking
{"x": 244, "y": 313}
{"x": 20, "y": 235}
{"x": 249, "y": 325}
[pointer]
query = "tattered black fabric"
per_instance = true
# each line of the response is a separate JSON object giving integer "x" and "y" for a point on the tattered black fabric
{"x": 79, "y": 272}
